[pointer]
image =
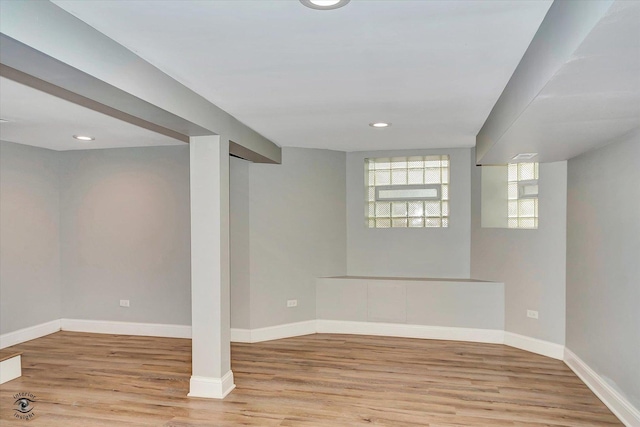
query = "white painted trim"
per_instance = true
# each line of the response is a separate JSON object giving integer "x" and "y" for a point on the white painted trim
{"x": 493, "y": 336}
{"x": 287, "y": 330}
{"x": 617, "y": 403}
{"x": 534, "y": 345}
{"x": 283, "y": 331}
{"x": 240, "y": 335}
{"x": 28, "y": 334}
{"x": 126, "y": 328}
{"x": 10, "y": 369}
{"x": 210, "y": 387}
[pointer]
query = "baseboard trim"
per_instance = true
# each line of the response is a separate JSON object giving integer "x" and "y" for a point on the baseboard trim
{"x": 240, "y": 335}
{"x": 492, "y": 336}
{"x": 28, "y": 334}
{"x": 210, "y": 387}
{"x": 618, "y": 404}
{"x": 270, "y": 333}
{"x": 289, "y": 330}
{"x": 534, "y": 345}
{"x": 126, "y": 328}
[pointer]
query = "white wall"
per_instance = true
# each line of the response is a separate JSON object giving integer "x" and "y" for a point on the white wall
{"x": 445, "y": 303}
{"x": 29, "y": 237}
{"x": 297, "y": 232}
{"x": 530, "y": 263}
{"x": 397, "y": 252}
{"x": 125, "y": 228}
{"x": 603, "y": 263}
{"x": 239, "y": 245}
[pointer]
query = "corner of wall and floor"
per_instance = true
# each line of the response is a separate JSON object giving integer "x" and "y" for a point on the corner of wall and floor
{"x": 268, "y": 248}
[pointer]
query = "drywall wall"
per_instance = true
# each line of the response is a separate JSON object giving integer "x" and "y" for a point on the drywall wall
{"x": 239, "y": 245}
{"x": 442, "y": 303}
{"x": 125, "y": 228}
{"x": 530, "y": 263}
{"x": 297, "y": 232}
{"x": 409, "y": 252}
{"x": 29, "y": 237}
{"x": 603, "y": 263}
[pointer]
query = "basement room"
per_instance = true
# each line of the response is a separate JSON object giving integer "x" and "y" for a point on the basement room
{"x": 319, "y": 213}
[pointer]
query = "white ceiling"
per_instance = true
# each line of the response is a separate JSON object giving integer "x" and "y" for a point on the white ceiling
{"x": 593, "y": 98}
{"x": 42, "y": 120}
{"x": 309, "y": 78}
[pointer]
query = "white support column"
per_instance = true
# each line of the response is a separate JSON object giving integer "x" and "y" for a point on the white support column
{"x": 211, "y": 374}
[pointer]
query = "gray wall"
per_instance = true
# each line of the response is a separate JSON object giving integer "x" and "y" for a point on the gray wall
{"x": 530, "y": 263}
{"x": 426, "y": 252}
{"x": 239, "y": 245}
{"x": 297, "y": 232}
{"x": 29, "y": 237}
{"x": 125, "y": 234}
{"x": 603, "y": 263}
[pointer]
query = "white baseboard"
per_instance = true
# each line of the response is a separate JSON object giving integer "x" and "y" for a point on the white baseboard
{"x": 212, "y": 388}
{"x": 534, "y": 345}
{"x": 241, "y": 335}
{"x": 274, "y": 332}
{"x": 288, "y": 330}
{"x": 10, "y": 369}
{"x": 410, "y": 331}
{"x": 618, "y": 404}
{"x": 28, "y": 334}
{"x": 126, "y": 328}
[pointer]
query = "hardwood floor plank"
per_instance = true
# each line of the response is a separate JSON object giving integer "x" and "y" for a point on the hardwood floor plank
{"x": 311, "y": 381}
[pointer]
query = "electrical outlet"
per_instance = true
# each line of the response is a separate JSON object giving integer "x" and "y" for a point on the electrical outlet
{"x": 532, "y": 314}
{"x": 292, "y": 303}
{"x": 124, "y": 303}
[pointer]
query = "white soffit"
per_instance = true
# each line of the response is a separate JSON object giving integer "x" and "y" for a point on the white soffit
{"x": 309, "y": 78}
{"x": 42, "y": 120}
{"x": 592, "y": 99}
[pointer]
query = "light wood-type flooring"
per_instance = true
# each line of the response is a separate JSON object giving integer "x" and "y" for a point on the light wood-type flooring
{"x": 87, "y": 380}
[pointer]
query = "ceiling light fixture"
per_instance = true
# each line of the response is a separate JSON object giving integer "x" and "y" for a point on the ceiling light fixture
{"x": 4, "y": 121}
{"x": 524, "y": 156}
{"x": 83, "y": 138}
{"x": 324, "y": 4}
{"x": 380, "y": 125}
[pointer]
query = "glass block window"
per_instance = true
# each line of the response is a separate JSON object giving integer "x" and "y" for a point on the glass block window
{"x": 523, "y": 195}
{"x": 407, "y": 192}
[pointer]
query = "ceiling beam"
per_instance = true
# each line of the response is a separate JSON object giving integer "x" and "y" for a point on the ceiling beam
{"x": 563, "y": 29}
{"x": 41, "y": 40}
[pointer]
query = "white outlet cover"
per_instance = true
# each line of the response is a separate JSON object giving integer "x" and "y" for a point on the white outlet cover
{"x": 124, "y": 303}
{"x": 532, "y": 314}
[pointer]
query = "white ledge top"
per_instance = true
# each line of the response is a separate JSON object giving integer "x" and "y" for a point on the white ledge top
{"x": 417, "y": 279}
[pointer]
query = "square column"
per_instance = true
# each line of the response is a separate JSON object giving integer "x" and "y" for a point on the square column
{"x": 211, "y": 374}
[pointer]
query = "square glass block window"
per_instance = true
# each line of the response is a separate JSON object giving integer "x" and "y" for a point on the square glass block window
{"x": 522, "y": 195}
{"x": 407, "y": 192}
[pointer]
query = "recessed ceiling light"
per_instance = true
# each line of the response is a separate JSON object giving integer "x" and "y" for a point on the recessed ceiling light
{"x": 324, "y": 4}
{"x": 83, "y": 138}
{"x": 380, "y": 125}
{"x": 524, "y": 156}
